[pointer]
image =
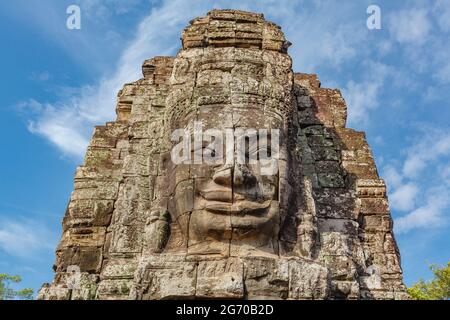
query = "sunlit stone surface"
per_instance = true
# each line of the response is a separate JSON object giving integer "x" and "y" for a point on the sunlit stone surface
{"x": 139, "y": 226}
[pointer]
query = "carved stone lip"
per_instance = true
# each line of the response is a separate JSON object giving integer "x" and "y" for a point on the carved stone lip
{"x": 220, "y": 195}
{"x": 243, "y": 207}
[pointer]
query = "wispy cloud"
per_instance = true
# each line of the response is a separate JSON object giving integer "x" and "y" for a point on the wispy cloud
{"x": 434, "y": 144}
{"x": 410, "y": 26}
{"x": 25, "y": 237}
{"x": 363, "y": 96}
{"x": 420, "y": 186}
{"x": 404, "y": 197}
{"x": 420, "y": 36}
{"x": 433, "y": 214}
{"x": 40, "y": 76}
{"x": 393, "y": 178}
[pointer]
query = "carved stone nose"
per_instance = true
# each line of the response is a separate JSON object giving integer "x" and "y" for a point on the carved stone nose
{"x": 228, "y": 175}
{"x": 223, "y": 176}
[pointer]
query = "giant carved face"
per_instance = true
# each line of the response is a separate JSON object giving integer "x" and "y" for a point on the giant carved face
{"x": 231, "y": 206}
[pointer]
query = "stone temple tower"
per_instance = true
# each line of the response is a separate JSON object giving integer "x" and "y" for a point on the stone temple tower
{"x": 140, "y": 225}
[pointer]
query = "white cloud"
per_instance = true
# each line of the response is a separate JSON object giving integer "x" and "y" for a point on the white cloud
{"x": 25, "y": 237}
{"x": 422, "y": 187}
{"x": 328, "y": 34}
{"x": 30, "y": 107}
{"x": 430, "y": 215}
{"x": 434, "y": 145}
{"x": 392, "y": 176}
{"x": 413, "y": 165}
{"x": 324, "y": 46}
{"x": 404, "y": 197}
{"x": 58, "y": 128}
{"x": 410, "y": 26}
{"x": 363, "y": 96}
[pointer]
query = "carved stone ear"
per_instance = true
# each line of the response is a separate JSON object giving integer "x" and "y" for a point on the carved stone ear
{"x": 158, "y": 230}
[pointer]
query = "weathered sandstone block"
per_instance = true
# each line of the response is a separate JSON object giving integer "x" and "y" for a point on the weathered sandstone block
{"x": 140, "y": 225}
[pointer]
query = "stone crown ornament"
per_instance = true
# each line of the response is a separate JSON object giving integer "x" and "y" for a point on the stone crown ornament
{"x": 141, "y": 226}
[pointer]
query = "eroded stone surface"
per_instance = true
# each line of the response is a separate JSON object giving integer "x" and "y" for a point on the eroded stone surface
{"x": 140, "y": 227}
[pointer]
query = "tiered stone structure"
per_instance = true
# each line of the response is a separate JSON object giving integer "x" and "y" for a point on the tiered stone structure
{"x": 139, "y": 227}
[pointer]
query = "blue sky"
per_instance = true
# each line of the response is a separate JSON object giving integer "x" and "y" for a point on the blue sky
{"x": 58, "y": 83}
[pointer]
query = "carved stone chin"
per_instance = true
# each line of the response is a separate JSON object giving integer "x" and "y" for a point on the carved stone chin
{"x": 295, "y": 209}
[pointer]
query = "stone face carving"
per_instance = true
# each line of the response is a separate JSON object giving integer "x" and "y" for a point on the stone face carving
{"x": 140, "y": 225}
